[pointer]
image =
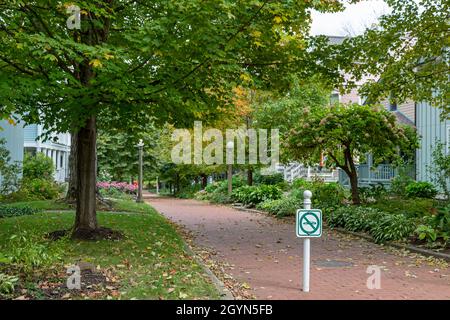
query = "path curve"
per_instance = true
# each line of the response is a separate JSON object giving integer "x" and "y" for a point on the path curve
{"x": 264, "y": 252}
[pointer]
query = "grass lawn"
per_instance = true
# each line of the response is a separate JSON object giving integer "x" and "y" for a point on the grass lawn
{"x": 42, "y": 205}
{"x": 150, "y": 263}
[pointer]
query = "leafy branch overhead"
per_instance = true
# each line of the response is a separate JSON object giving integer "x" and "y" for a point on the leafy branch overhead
{"x": 176, "y": 60}
{"x": 407, "y": 53}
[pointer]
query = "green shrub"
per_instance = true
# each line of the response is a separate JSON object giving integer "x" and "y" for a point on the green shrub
{"x": 301, "y": 183}
{"x": 325, "y": 195}
{"x": 41, "y": 189}
{"x": 392, "y": 227}
{"x": 222, "y": 186}
{"x": 427, "y": 233}
{"x": 280, "y": 207}
{"x": 222, "y": 198}
{"x": 271, "y": 179}
{"x": 9, "y": 171}
{"x": 401, "y": 181}
{"x": 372, "y": 193}
{"x": 353, "y": 218}
{"x": 27, "y": 252}
{"x": 420, "y": 189}
{"x": 435, "y": 227}
{"x": 114, "y": 193}
{"x": 38, "y": 166}
{"x": 381, "y": 225}
{"x": 188, "y": 192}
{"x": 413, "y": 207}
{"x": 252, "y": 195}
{"x": 7, "y": 283}
{"x": 440, "y": 168}
{"x": 14, "y": 211}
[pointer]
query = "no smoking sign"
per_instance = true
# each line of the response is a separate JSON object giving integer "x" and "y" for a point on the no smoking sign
{"x": 309, "y": 223}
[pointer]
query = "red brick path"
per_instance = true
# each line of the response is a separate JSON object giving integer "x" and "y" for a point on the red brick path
{"x": 264, "y": 252}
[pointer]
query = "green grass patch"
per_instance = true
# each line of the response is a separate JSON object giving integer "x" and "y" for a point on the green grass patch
{"x": 150, "y": 262}
{"x": 42, "y": 205}
{"x": 122, "y": 205}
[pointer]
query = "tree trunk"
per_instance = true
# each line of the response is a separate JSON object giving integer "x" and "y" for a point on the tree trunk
{"x": 204, "y": 181}
{"x": 354, "y": 187}
{"x": 71, "y": 196}
{"x": 86, "y": 216}
{"x": 352, "y": 174}
{"x": 250, "y": 176}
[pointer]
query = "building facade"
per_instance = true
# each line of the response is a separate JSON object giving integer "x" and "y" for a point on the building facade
{"x": 57, "y": 147}
{"x": 431, "y": 128}
{"x": 27, "y": 139}
{"x": 14, "y": 137}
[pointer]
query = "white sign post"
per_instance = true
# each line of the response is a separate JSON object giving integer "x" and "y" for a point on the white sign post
{"x": 308, "y": 225}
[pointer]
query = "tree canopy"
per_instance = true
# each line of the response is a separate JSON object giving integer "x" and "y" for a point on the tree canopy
{"x": 345, "y": 133}
{"x": 130, "y": 60}
{"x": 406, "y": 54}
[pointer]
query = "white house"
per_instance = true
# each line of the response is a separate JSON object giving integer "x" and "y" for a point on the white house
{"x": 56, "y": 147}
{"x": 21, "y": 139}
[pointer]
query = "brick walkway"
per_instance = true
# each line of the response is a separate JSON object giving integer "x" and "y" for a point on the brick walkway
{"x": 264, "y": 252}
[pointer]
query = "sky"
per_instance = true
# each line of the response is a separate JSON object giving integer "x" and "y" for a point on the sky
{"x": 355, "y": 18}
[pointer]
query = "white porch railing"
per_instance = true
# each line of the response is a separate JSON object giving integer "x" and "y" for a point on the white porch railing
{"x": 294, "y": 171}
{"x": 368, "y": 175}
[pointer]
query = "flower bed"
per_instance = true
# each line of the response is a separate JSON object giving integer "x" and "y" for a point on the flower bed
{"x": 118, "y": 186}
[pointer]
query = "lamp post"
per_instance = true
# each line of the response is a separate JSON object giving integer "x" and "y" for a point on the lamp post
{"x": 140, "y": 146}
{"x": 157, "y": 185}
{"x": 230, "y": 149}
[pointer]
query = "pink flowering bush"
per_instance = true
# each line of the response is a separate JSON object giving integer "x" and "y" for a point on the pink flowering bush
{"x": 117, "y": 186}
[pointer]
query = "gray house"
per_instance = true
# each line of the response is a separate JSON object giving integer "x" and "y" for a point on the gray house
{"x": 431, "y": 128}
{"x": 14, "y": 136}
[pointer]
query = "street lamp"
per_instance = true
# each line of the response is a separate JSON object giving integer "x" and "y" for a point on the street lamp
{"x": 230, "y": 150}
{"x": 140, "y": 146}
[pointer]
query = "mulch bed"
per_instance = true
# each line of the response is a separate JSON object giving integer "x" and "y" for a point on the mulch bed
{"x": 94, "y": 284}
{"x": 87, "y": 234}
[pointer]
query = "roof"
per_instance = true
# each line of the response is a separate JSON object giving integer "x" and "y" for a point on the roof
{"x": 401, "y": 118}
{"x": 336, "y": 39}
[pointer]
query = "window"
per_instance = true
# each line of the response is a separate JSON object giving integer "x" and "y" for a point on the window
{"x": 392, "y": 106}
{"x": 334, "y": 98}
{"x": 61, "y": 161}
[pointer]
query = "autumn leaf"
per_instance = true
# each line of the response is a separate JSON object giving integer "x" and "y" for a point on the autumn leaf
{"x": 96, "y": 63}
{"x": 182, "y": 295}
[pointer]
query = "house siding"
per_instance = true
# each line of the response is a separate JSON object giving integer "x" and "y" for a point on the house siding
{"x": 30, "y": 133}
{"x": 408, "y": 109}
{"x": 14, "y": 136}
{"x": 430, "y": 129}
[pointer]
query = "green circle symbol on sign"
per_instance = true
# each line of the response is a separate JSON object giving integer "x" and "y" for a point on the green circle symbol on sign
{"x": 309, "y": 223}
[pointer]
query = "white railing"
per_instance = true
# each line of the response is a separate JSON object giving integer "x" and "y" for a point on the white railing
{"x": 60, "y": 175}
{"x": 294, "y": 171}
{"x": 368, "y": 175}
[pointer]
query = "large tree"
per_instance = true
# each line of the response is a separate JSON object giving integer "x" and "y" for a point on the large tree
{"x": 175, "y": 60}
{"x": 346, "y": 133}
